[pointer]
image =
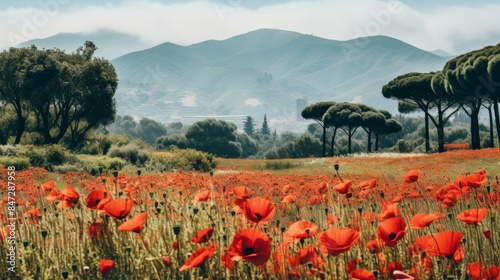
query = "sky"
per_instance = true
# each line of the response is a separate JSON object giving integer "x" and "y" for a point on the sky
{"x": 455, "y": 26}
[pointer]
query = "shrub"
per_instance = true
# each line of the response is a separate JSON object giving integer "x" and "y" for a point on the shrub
{"x": 131, "y": 152}
{"x": 20, "y": 163}
{"x": 187, "y": 159}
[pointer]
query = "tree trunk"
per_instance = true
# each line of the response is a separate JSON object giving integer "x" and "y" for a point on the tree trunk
{"x": 349, "y": 137}
{"x": 497, "y": 120}
{"x": 324, "y": 140}
{"x": 21, "y": 125}
{"x": 377, "y": 137}
{"x": 369, "y": 144}
{"x": 427, "y": 141}
{"x": 333, "y": 141}
{"x": 476, "y": 141}
{"x": 440, "y": 131}
{"x": 492, "y": 135}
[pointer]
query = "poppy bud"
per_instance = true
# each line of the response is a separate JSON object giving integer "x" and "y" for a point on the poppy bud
{"x": 177, "y": 229}
{"x": 25, "y": 244}
{"x": 115, "y": 173}
{"x": 65, "y": 274}
{"x": 164, "y": 195}
{"x": 487, "y": 233}
{"x": 158, "y": 210}
{"x": 488, "y": 188}
{"x": 139, "y": 172}
{"x": 336, "y": 166}
{"x": 74, "y": 266}
{"x": 151, "y": 194}
{"x": 44, "y": 233}
{"x": 309, "y": 265}
{"x": 326, "y": 211}
{"x": 348, "y": 195}
{"x": 360, "y": 210}
{"x": 233, "y": 213}
{"x": 196, "y": 210}
{"x": 375, "y": 273}
{"x": 382, "y": 195}
{"x": 128, "y": 250}
{"x": 283, "y": 229}
{"x": 166, "y": 261}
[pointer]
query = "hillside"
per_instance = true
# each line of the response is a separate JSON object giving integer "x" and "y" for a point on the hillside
{"x": 110, "y": 44}
{"x": 262, "y": 72}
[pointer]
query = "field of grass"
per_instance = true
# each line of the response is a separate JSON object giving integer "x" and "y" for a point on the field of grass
{"x": 376, "y": 216}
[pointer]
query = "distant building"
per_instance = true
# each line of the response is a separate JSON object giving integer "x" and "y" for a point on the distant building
{"x": 301, "y": 103}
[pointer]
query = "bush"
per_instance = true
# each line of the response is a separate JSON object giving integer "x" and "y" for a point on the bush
{"x": 132, "y": 152}
{"x": 187, "y": 159}
{"x": 20, "y": 163}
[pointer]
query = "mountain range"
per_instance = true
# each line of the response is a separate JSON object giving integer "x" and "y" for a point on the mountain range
{"x": 265, "y": 71}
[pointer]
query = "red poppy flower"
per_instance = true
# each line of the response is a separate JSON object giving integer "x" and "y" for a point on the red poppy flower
{"x": 135, "y": 224}
{"x": 70, "y": 195}
{"x": 54, "y": 195}
{"x": 289, "y": 199}
{"x": 308, "y": 254}
{"x": 352, "y": 265}
{"x": 202, "y": 195}
{"x": 472, "y": 180}
{"x": 242, "y": 192}
{"x": 338, "y": 240}
{"x": 444, "y": 244}
{"x": 251, "y": 245}
{"x": 473, "y": 216}
{"x": 422, "y": 220}
{"x": 98, "y": 230}
{"x": 343, "y": 187}
{"x": 373, "y": 246}
{"x": 166, "y": 261}
{"x": 118, "y": 208}
{"x": 411, "y": 176}
{"x": 94, "y": 197}
{"x": 105, "y": 266}
{"x": 492, "y": 272}
{"x": 474, "y": 269}
{"x": 258, "y": 209}
{"x": 391, "y": 230}
{"x": 203, "y": 235}
{"x": 390, "y": 211}
{"x": 198, "y": 257}
{"x": 487, "y": 233}
{"x": 48, "y": 186}
{"x": 362, "y": 274}
{"x": 299, "y": 230}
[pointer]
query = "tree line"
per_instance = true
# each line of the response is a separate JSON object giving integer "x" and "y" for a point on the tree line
{"x": 49, "y": 96}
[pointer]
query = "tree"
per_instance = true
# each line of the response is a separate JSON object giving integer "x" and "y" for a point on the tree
{"x": 265, "y": 127}
{"x": 13, "y": 65}
{"x": 315, "y": 112}
{"x": 248, "y": 125}
{"x": 216, "y": 137}
{"x": 391, "y": 126}
{"x": 69, "y": 94}
{"x": 149, "y": 130}
{"x": 472, "y": 78}
{"x": 414, "y": 88}
{"x": 346, "y": 116}
{"x": 372, "y": 121}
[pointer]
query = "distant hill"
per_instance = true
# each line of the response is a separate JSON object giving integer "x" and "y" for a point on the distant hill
{"x": 110, "y": 44}
{"x": 262, "y": 72}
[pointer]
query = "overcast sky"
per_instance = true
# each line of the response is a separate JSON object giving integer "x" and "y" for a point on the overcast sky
{"x": 455, "y": 26}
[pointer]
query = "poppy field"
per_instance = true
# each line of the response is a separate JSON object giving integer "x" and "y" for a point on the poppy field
{"x": 367, "y": 217}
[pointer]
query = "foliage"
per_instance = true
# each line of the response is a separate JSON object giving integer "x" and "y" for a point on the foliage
{"x": 20, "y": 163}
{"x": 249, "y": 125}
{"x": 133, "y": 152}
{"x": 185, "y": 159}
{"x": 264, "y": 129}
{"x": 69, "y": 94}
{"x": 216, "y": 137}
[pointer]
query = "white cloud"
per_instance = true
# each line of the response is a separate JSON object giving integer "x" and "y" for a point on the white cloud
{"x": 452, "y": 28}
